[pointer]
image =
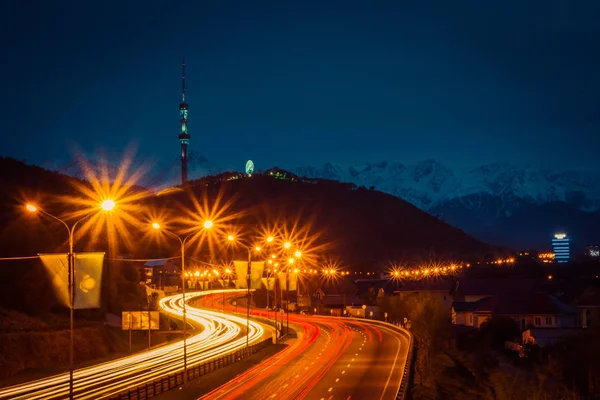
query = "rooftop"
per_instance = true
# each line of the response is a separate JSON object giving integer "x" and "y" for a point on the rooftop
{"x": 433, "y": 284}
{"x": 517, "y": 303}
{"x": 494, "y": 286}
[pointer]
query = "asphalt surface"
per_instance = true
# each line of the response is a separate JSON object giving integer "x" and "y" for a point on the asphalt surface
{"x": 217, "y": 334}
{"x": 332, "y": 358}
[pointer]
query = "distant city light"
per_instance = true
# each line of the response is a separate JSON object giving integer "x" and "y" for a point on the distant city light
{"x": 560, "y": 236}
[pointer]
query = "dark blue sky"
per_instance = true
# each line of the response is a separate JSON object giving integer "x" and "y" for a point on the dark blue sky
{"x": 293, "y": 83}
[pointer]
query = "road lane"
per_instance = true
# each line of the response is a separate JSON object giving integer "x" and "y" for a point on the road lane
{"x": 331, "y": 358}
{"x": 371, "y": 368}
{"x": 219, "y": 334}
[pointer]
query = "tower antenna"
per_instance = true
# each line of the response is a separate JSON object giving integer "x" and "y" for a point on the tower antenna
{"x": 184, "y": 136}
{"x": 183, "y": 80}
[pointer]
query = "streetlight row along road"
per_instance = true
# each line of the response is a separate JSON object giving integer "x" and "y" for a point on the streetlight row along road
{"x": 332, "y": 356}
{"x": 219, "y": 334}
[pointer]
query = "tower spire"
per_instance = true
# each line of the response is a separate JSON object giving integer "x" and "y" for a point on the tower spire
{"x": 183, "y": 80}
{"x": 184, "y": 136}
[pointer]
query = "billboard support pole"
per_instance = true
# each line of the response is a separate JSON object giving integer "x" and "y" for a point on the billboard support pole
{"x": 130, "y": 329}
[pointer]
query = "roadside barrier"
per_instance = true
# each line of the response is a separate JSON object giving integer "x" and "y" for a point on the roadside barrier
{"x": 172, "y": 381}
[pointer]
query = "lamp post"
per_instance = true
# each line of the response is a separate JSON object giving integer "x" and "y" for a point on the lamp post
{"x": 207, "y": 225}
{"x": 269, "y": 239}
{"x": 106, "y": 205}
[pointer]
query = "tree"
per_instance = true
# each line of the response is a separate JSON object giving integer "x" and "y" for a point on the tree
{"x": 497, "y": 330}
{"x": 430, "y": 324}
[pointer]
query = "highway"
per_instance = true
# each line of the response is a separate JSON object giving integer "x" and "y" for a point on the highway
{"x": 216, "y": 335}
{"x": 332, "y": 358}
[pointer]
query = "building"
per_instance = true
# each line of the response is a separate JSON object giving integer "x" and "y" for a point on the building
{"x": 161, "y": 273}
{"x": 370, "y": 312}
{"x": 546, "y": 257}
{"x": 474, "y": 289}
{"x": 528, "y": 309}
{"x": 588, "y": 302}
{"x": 439, "y": 289}
{"x": 592, "y": 252}
{"x": 561, "y": 247}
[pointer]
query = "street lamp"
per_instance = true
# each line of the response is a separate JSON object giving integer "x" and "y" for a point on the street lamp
{"x": 231, "y": 238}
{"x": 287, "y": 296}
{"x": 207, "y": 225}
{"x": 107, "y": 205}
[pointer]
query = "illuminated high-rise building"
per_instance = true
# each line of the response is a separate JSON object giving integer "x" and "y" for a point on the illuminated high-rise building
{"x": 592, "y": 251}
{"x": 184, "y": 136}
{"x": 561, "y": 246}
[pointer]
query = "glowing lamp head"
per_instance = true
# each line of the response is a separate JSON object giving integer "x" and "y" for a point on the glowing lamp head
{"x": 108, "y": 205}
{"x": 208, "y": 224}
{"x": 31, "y": 208}
{"x": 230, "y": 238}
{"x": 257, "y": 248}
{"x": 291, "y": 261}
{"x": 227, "y": 271}
{"x": 270, "y": 239}
{"x": 298, "y": 254}
{"x": 287, "y": 245}
{"x": 156, "y": 225}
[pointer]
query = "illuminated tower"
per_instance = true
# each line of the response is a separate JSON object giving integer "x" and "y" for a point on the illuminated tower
{"x": 184, "y": 136}
{"x": 561, "y": 245}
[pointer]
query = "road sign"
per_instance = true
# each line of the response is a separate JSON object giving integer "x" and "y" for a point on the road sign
{"x": 140, "y": 320}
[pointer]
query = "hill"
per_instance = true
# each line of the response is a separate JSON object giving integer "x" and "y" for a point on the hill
{"x": 364, "y": 228}
{"x": 25, "y": 285}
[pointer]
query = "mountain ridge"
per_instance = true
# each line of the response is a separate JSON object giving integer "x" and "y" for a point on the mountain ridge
{"x": 478, "y": 200}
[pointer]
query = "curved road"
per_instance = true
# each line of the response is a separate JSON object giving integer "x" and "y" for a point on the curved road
{"x": 218, "y": 334}
{"x": 332, "y": 358}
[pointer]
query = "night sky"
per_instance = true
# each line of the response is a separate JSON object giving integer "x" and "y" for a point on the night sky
{"x": 297, "y": 83}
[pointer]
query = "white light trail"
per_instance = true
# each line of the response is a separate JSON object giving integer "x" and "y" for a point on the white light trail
{"x": 220, "y": 334}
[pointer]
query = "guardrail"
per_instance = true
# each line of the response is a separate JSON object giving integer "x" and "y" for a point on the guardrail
{"x": 171, "y": 381}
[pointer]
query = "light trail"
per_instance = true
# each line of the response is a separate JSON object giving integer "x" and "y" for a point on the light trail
{"x": 220, "y": 334}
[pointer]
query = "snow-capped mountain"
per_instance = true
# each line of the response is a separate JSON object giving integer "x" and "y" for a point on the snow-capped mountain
{"x": 429, "y": 184}
{"x": 498, "y": 203}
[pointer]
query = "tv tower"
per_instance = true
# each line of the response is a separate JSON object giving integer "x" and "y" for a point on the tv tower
{"x": 184, "y": 136}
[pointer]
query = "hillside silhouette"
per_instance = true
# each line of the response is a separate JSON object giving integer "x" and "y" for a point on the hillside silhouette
{"x": 363, "y": 229}
{"x": 358, "y": 225}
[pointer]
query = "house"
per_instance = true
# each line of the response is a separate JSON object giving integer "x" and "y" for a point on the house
{"x": 528, "y": 309}
{"x": 471, "y": 314}
{"x": 333, "y": 304}
{"x": 588, "y": 302}
{"x": 438, "y": 288}
{"x": 161, "y": 273}
{"x": 371, "y": 312}
{"x": 474, "y": 289}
